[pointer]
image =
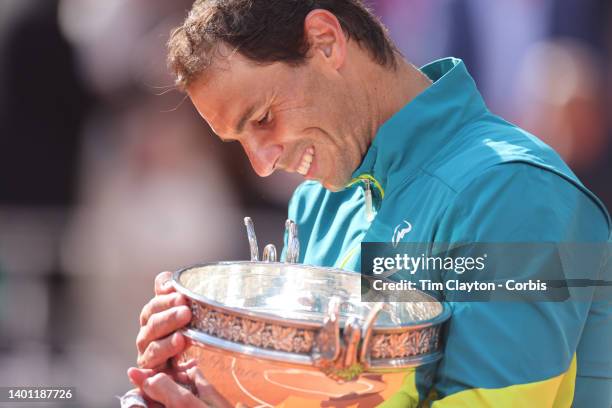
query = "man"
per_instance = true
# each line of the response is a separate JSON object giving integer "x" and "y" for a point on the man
{"x": 317, "y": 88}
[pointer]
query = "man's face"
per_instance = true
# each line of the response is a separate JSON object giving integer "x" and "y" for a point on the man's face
{"x": 299, "y": 119}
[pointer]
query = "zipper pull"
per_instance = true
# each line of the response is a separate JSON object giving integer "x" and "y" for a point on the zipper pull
{"x": 369, "y": 211}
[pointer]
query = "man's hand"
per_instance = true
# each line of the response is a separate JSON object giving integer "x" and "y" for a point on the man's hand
{"x": 157, "y": 339}
{"x": 164, "y": 388}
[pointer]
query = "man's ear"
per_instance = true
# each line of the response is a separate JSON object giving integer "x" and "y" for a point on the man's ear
{"x": 325, "y": 37}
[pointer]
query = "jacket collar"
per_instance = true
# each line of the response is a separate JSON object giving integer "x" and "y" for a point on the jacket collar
{"x": 413, "y": 135}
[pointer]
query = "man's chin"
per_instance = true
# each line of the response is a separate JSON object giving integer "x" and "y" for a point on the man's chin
{"x": 334, "y": 187}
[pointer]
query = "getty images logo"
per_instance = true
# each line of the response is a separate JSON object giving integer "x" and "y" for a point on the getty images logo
{"x": 400, "y": 231}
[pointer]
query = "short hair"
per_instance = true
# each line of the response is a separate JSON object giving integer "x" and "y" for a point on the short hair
{"x": 266, "y": 31}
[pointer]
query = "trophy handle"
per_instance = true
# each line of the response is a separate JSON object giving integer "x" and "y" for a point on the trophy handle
{"x": 327, "y": 343}
{"x": 250, "y": 227}
{"x": 368, "y": 327}
{"x": 293, "y": 243}
{"x": 269, "y": 253}
{"x": 292, "y": 250}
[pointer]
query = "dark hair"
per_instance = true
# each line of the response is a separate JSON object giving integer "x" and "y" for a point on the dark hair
{"x": 266, "y": 31}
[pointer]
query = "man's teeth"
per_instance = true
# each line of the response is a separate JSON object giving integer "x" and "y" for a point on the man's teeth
{"x": 306, "y": 161}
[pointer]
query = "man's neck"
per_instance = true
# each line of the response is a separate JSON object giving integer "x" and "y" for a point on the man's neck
{"x": 391, "y": 90}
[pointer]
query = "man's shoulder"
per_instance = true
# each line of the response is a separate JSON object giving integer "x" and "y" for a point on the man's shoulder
{"x": 491, "y": 143}
{"x": 517, "y": 201}
{"x": 493, "y": 160}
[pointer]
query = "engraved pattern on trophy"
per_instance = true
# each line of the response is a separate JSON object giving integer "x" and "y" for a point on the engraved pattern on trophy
{"x": 251, "y": 332}
{"x": 412, "y": 343}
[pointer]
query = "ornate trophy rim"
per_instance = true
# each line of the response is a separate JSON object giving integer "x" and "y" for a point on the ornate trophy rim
{"x": 295, "y": 322}
{"x": 372, "y": 347}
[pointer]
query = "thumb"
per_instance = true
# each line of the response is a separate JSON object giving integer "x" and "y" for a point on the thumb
{"x": 138, "y": 375}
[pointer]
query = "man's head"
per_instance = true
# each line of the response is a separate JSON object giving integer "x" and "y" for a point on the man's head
{"x": 287, "y": 79}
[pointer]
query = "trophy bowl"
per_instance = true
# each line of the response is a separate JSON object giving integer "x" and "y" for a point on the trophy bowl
{"x": 270, "y": 333}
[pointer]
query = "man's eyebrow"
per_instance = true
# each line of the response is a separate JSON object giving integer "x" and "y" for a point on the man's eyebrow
{"x": 243, "y": 119}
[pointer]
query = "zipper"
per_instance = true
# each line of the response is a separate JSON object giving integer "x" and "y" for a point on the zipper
{"x": 368, "y": 181}
{"x": 369, "y": 211}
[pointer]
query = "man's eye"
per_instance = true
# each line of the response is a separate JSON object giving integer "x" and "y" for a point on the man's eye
{"x": 264, "y": 120}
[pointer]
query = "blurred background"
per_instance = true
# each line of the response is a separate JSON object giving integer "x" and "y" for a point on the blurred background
{"x": 108, "y": 177}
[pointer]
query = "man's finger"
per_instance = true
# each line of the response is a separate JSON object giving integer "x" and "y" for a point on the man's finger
{"x": 138, "y": 375}
{"x": 162, "y": 388}
{"x": 160, "y": 303}
{"x": 159, "y": 351}
{"x": 206, "y": 391}
{"x": 181, "y": 365}
{"x": 163, "y": 283}
{"x": 181, "y": 377}
{"x": 162, "y": 324}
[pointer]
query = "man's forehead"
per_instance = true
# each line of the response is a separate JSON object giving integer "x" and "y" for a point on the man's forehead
{"x": 231, "y": 90}
{"x": 223, "y": 104}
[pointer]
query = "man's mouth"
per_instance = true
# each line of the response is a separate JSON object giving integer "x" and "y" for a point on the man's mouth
{"x": 306, "y": 161}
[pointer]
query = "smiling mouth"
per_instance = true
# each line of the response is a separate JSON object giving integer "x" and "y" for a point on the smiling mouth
{"x": 306, "y": 161}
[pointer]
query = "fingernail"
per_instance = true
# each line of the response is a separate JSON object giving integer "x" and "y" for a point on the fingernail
{"x": 180, "y": 299}
{"x": 176, "y": 340}
{"x": 135, "y": 375}
{"x": 184, "y": 312}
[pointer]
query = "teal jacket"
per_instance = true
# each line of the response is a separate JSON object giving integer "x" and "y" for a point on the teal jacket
{"x": 457, "y": 173}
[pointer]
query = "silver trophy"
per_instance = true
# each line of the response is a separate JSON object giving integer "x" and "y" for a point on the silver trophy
{"x": 267, "y": 333}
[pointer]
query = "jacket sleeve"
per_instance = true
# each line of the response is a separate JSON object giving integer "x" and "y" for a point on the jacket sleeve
{"x": 527, "y": 353}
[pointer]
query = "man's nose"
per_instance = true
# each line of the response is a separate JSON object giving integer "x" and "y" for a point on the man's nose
{"x": 263, "y": 158}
